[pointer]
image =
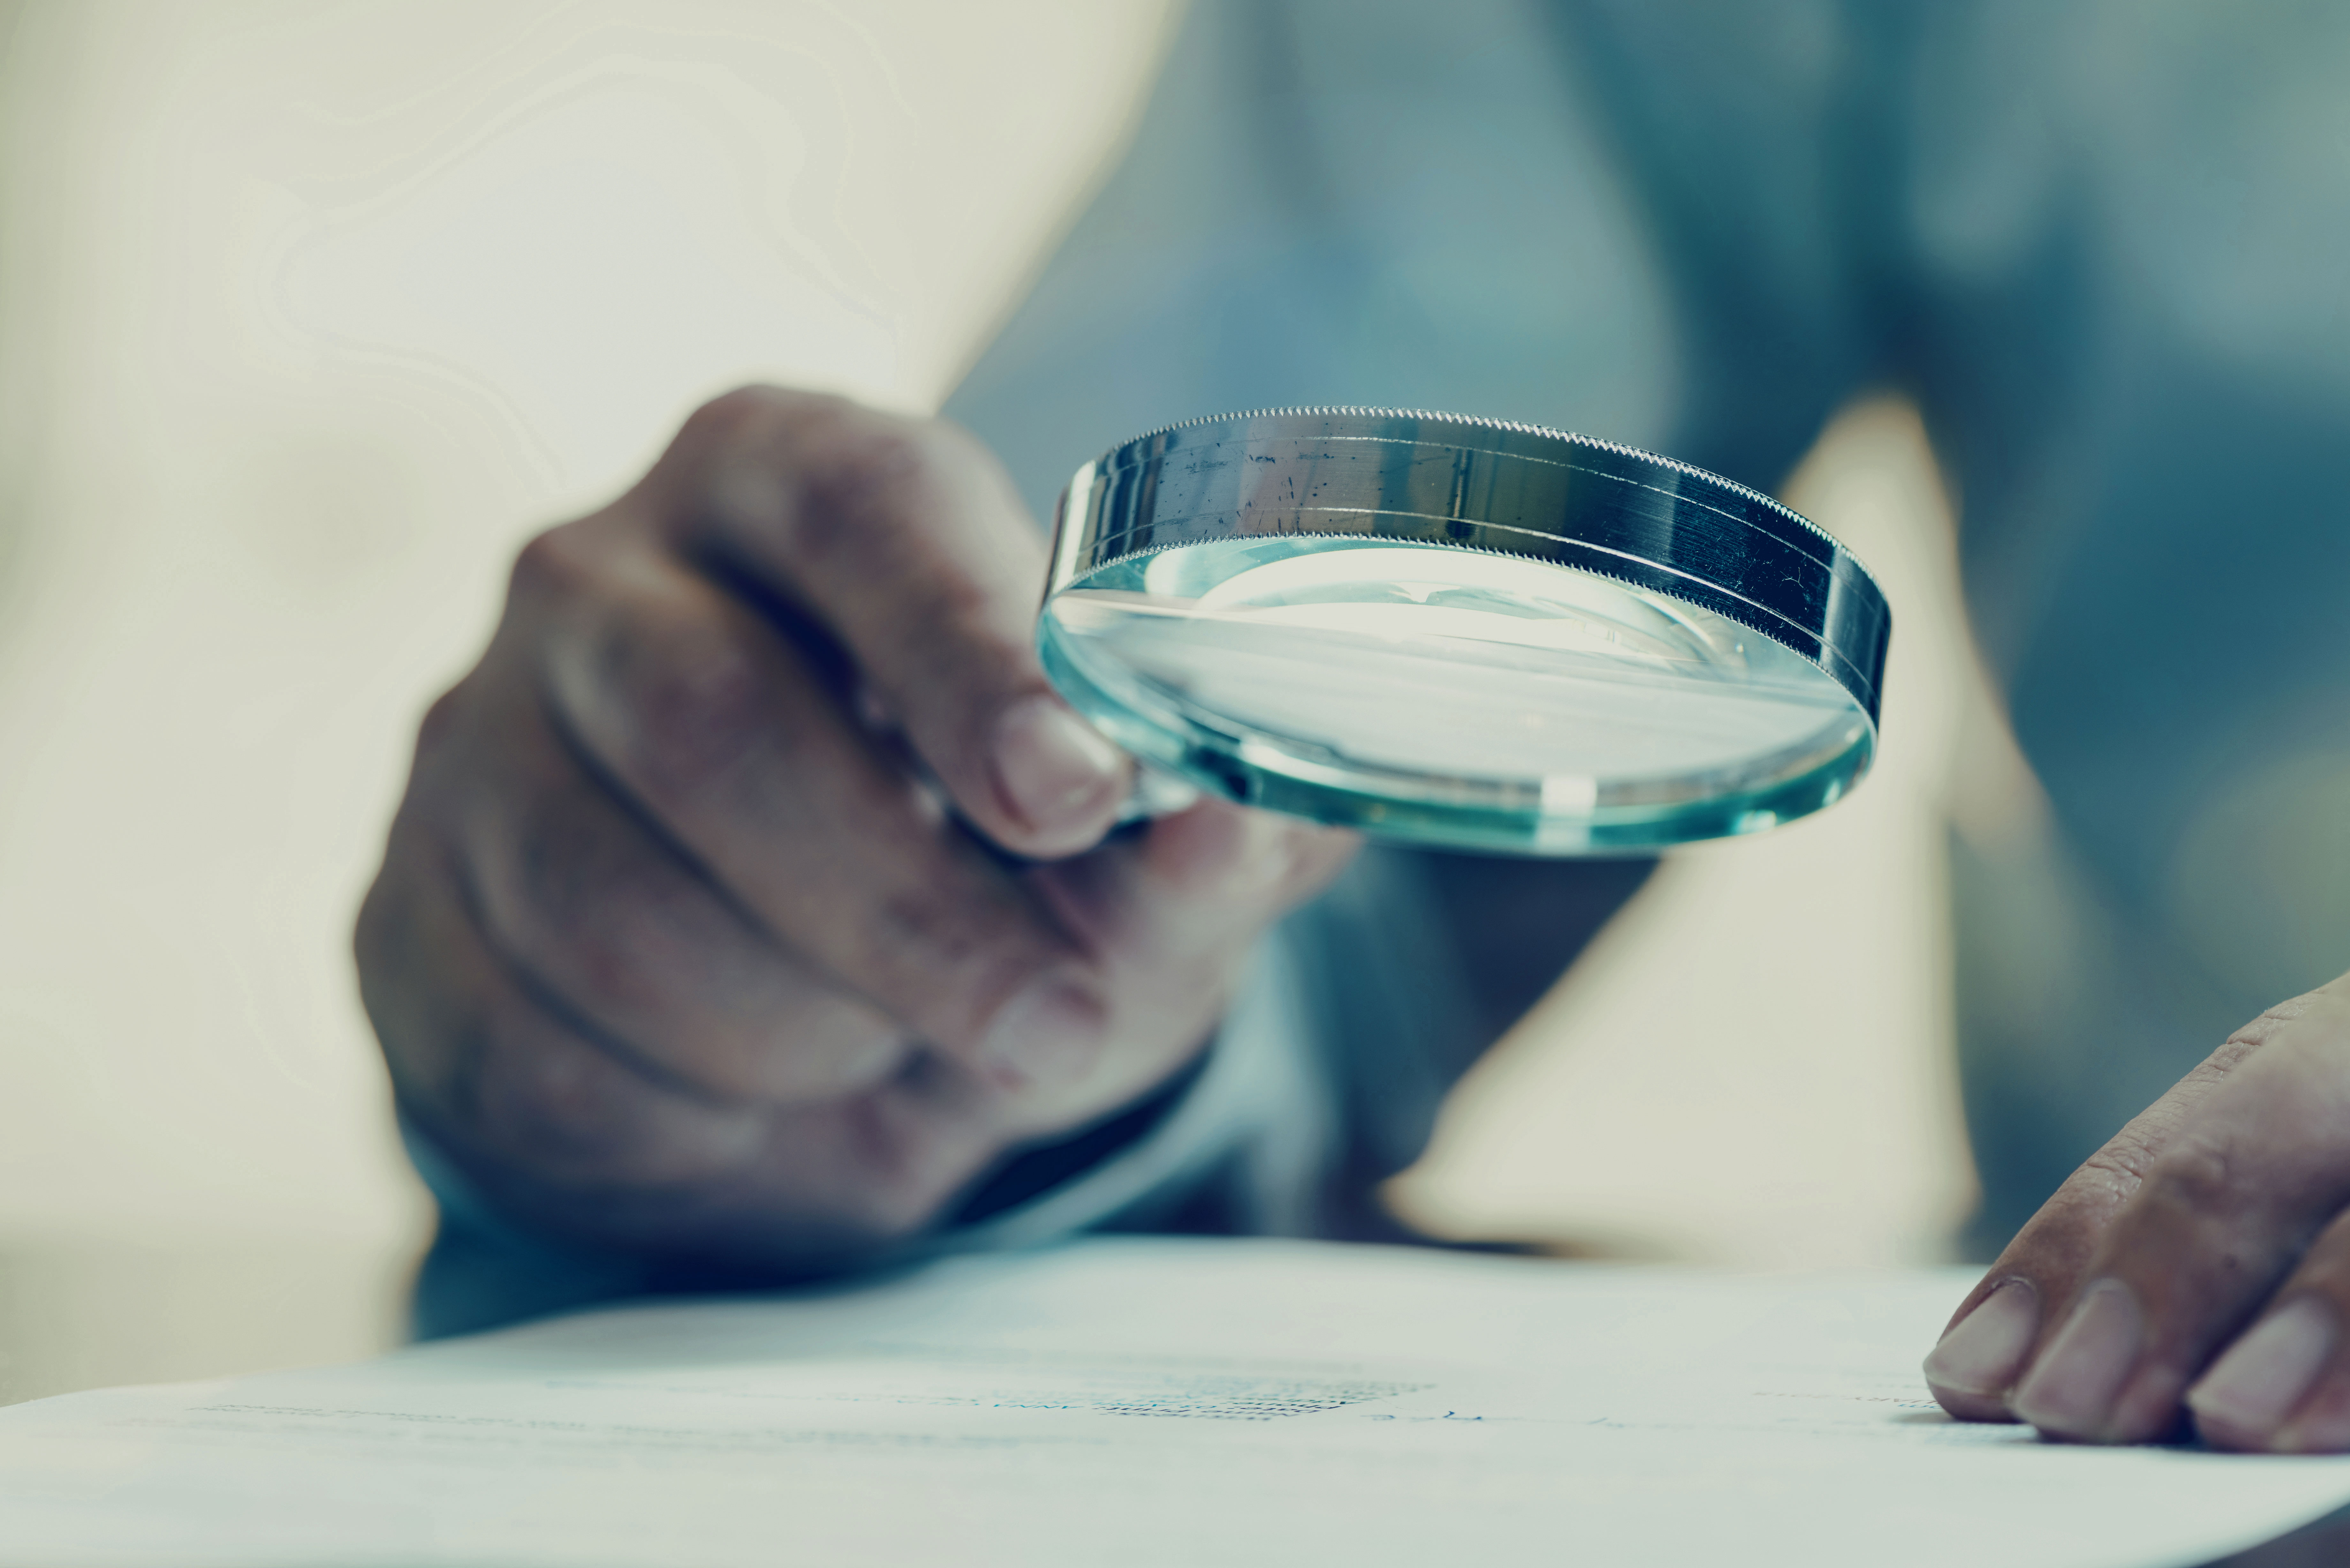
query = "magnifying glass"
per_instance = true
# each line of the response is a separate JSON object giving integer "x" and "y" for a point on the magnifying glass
{"x": 1462, "y": 632}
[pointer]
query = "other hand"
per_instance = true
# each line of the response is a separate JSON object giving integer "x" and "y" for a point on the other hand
{"x": 2198, "y": 1267}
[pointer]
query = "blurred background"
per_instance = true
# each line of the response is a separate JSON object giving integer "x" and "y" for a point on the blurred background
{"x": 310, "y": 313}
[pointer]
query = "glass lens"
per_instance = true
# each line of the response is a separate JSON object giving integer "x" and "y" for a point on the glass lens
{"x": 1452, "y": 695}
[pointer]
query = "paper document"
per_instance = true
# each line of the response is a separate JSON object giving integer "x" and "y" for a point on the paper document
{"x": 1148, "y": 1402}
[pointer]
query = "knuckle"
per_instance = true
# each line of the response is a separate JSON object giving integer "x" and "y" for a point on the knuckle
{"x": 2091, "y": 1198}
{"x": 755, "y": 411}
{"x": 447, "y": 763}
{"x": 2261, "y": 1030}
{"x": 555, "y": 564}
{"x": 2197, "y": 1176}
{"x": 2122, "y": 1165}
{"x": 438, "y": 721}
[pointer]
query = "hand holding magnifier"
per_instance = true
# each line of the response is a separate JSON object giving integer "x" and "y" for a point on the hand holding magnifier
{"x": 1459, "y": 632}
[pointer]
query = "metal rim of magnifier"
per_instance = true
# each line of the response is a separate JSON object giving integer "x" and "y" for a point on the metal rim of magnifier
{"x": 1412, "y": 476}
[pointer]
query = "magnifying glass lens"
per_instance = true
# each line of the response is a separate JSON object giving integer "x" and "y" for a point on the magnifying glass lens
{"x": 1446, "y": 693}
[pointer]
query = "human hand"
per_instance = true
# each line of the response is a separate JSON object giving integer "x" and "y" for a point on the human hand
{"x": 687, "y": 940}
{"x": 2198, "y": 1263}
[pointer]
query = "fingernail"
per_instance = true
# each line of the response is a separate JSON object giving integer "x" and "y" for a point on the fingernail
{"x": 1053, "y": 769}
{"x": 2263, "y": 1376}
{"x": 2071, "y": 1390}
{"x": 1045, "y": 1036}
{"x": 1985, "y": 1349}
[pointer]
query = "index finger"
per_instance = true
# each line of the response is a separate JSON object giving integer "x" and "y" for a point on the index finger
{"x": 902, "y": 539}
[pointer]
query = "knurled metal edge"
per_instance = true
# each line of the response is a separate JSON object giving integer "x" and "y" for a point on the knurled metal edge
{"x": 1517, "y": 427}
